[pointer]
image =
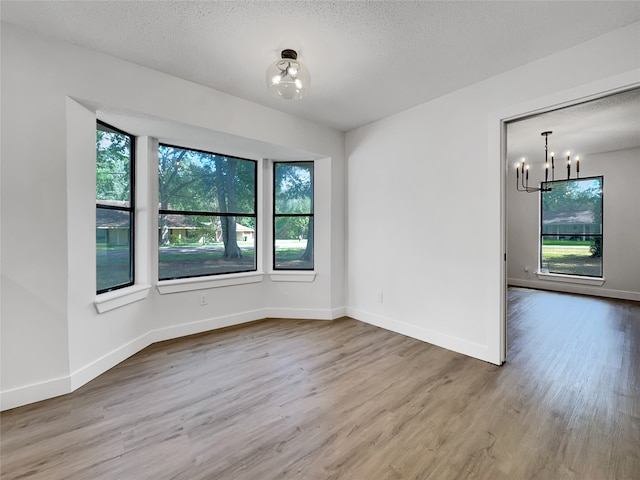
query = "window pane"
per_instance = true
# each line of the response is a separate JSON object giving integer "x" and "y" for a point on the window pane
{"x": 573, "y": 207}
{"x": 113, "y": 166}
{"x": 571, "y": 238}
{"x": 572, "y": 257}
{"x": 293, "y": 216}
{"x": 193, "y": 182}
{"x": 293, "y": 249}
{"x": 294, "y": 187}
{"x": 114, "y": 226}
{"x": 196, "y": 245}
{"x": 113, "y": 249}
{"x": 198, "y": 181}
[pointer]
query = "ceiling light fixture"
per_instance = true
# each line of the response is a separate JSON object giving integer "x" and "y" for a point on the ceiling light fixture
{"x": 287, "y": 78}
{"x": 523, "y": 168}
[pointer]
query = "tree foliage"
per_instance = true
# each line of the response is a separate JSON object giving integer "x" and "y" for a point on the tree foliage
{"x": 195, "y": 181}
{"x": 294, "y": 196}
{"x": 113, "y": 165}
{"x": 574, "y": 196}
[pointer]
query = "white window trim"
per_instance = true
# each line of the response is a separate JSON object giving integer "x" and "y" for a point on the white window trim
{"x": 202, "y": 283}
{"x": 292, "y": 276}
{"x": 121, "y": 297}
{"x": 557, "y": 277}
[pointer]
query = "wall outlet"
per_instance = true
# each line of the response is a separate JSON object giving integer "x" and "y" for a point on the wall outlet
{"x": 203, "y": 299}
{"x": 379, "y": 297}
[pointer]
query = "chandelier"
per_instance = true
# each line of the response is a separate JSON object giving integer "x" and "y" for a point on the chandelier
{"x": 522, "y": 169}
{"x": 287, "y": 78}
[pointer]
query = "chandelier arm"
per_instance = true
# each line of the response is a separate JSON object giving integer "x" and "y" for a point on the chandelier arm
{"x": 522, "y": 185}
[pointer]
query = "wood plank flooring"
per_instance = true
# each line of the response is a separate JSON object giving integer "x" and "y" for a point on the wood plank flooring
{"x": 289, "y": 399}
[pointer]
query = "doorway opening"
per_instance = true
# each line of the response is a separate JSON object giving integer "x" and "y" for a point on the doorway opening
{"x": 604, "y": 130}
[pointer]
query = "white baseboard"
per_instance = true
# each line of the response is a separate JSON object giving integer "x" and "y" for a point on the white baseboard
{"x": 574, "y": 288}
{"x": 105, "y": 362}
{"x": 206, "y": 325}
{"x": 306, "y": 313}
{"x": 338, "y": 312}
{"x": 455, "y": 344}
{"x": 36, "y": 392}
{"x": 16, "y": 397}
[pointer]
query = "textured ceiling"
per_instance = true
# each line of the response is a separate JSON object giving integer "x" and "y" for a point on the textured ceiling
{"x": 604, "y": 125}
{"x": 367, "y": 59}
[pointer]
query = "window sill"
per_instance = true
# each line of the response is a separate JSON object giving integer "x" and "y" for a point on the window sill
{"x": 292, "y": 276}
{"x": 556, "y": 277}
{"x": 203, "y": 283}
{"x": 118, "y": 298}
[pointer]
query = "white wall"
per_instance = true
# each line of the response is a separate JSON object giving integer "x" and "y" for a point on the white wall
{"x": 435, "y": 171}
{"x": 621, "y": 246}
{"x": 53, "y": 340}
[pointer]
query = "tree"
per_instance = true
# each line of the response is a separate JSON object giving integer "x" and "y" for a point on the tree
{"x": 112, "y": 165}
{"x": 214, "y": 185}
{"x": 308, "y": 251}
{"x": 225, "y": 188}
{"x": 178, "y": 176}
{"x": 294, "y": 196}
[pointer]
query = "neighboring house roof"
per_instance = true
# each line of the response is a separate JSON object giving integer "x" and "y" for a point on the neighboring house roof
{"x": 174, "y": 220}
{"x": 106, "y": 218}
{"x": 585, "y": 216}
{"x": 242, "y": 228}
{"x": 111, "y": 218}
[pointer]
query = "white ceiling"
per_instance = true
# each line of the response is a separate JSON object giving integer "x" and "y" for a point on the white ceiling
{"x": 603, "y": 125}
{"x": 367, "y": 59}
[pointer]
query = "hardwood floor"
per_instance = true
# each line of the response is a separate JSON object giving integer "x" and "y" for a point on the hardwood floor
{"x": 345, "y": 400}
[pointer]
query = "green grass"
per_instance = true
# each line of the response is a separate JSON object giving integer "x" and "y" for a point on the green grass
{"x": 571, "y": 260}
{"x": 558, "y": 251}
{"x": 289, "y": 253}
{"x": 199, "y": 260}
{"x": 194, "y": 259}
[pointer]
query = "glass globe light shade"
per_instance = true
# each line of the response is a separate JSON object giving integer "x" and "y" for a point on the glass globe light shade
{"x": 287, "y": 78}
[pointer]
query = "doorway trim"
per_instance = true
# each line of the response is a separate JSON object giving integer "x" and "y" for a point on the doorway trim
{"x": 498, "y": 149}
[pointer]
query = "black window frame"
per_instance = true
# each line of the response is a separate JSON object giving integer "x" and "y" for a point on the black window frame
{"x": 131, "y": 209}
{"x": 254, "y": 215}
{"x": 280, "y": 215}
{"x": 549, "y": 185}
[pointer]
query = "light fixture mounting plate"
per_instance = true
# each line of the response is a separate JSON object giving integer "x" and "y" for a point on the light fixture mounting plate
{"x": 290, "y": 54}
